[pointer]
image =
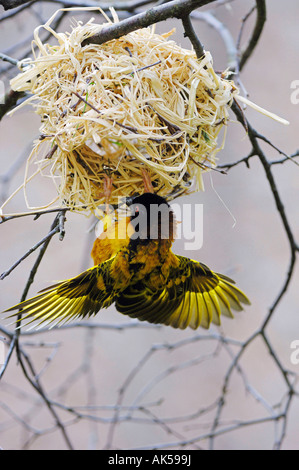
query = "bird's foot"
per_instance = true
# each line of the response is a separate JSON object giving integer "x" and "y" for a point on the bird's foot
{"x": 108, "y": 186}
{"x": 148, "y": 187}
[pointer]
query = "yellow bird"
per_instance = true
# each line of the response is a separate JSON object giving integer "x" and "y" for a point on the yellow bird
{"x": 136, "y": 270}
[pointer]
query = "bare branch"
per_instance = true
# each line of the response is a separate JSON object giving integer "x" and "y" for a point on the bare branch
{"x": 133, "y": 387}
{"x": 10, "y": 100}
{"x": 9, "y": 4}
{"x": 58, "y": 228}
{"x": 190, "y": 33}
{"x": 259, "y": 26}
{"x": 173, "y": 9}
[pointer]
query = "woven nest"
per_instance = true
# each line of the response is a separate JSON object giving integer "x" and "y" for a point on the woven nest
{"x": 136, "y": 103}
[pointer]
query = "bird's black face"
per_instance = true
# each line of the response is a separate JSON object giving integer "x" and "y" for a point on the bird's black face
{"x": 151, "y": 217}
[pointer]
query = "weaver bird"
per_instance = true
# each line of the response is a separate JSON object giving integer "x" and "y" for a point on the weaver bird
{"x": 136, "y": 270}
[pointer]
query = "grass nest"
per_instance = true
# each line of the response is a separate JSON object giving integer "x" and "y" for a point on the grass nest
{"x": 140, "y": 102}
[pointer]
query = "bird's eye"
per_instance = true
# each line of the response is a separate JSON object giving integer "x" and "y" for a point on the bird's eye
{"x": 137, "y": 209}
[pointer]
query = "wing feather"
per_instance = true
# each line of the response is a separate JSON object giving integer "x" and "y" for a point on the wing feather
{"x": 193, "y": 296}
{"x": 76, "y": 297}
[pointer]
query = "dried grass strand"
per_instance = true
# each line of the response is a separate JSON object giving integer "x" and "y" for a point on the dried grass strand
{"x": 134, "y": 103}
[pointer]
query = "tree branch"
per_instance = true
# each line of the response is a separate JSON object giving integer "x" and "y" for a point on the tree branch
{"x": 10, "y": 100}
{"x": 57, "y": 227}
{"x": 174, "y": 9}
{"x": 277, "y": 414}
{"x": 10, "y": 4}
{"x": 259, "y": 26}
{"x": 190, "y": 33}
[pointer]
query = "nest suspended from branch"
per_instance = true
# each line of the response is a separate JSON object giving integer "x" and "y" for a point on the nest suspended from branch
{"x": 136, "y": 103}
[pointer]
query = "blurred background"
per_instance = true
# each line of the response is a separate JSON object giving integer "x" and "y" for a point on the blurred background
{"x": 159, "y": 385}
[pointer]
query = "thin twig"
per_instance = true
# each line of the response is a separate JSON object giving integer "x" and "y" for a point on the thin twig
{"x": 6, "y": 58}
{"x": 258, "y": 29}
{"x": 58, "y": 228}
{"x": 190, "y": 33}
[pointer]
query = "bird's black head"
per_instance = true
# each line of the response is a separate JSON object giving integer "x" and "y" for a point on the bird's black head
{"x": 152, "y": 218}
{"x": 147, "y": 199}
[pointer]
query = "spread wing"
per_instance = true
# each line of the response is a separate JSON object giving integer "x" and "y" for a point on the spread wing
{"x": 81, "y": 296}
{"x": 193, "y": 296}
